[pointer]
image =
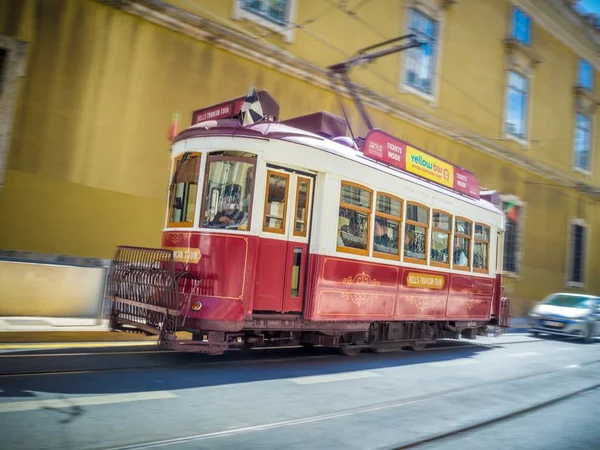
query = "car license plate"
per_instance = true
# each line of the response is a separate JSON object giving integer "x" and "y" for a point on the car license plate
{"x": 551, "y": 323}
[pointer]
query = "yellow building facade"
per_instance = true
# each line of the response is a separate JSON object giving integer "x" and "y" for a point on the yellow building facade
{"x": 504, "y": 88}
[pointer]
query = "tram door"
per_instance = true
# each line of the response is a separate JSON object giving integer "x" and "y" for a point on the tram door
{"x": 283, "y": 247}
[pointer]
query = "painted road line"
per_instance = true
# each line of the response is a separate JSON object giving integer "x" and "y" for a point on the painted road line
{"x": 70, "y": 402}
{"x": 333, "y": 377}
{"x": 523, "y": 354}
{"x": 454, "y": 362}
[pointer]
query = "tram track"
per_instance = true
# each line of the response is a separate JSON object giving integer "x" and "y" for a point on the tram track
{"x": 260, "y": 357}
{"x": 496, "y": 420}
{"x": 389, "y": 405}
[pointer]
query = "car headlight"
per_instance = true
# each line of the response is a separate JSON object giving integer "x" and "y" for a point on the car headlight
{"x": 533, "y": 314}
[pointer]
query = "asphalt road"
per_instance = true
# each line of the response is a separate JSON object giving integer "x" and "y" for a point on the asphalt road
{"x": 508, "y": 392}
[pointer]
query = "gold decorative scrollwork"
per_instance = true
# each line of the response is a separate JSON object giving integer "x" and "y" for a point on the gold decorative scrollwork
{"x": 472, "y": 303}
{"x": 472, "y": 289}
{"x": 360, "y": 298}
{"x": 362, "y": 278}
{"x": 423, "y": 303}
{"x": 177, "y": 237}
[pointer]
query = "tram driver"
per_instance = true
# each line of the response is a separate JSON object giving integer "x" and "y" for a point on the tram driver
{"x": 230, "y": 215}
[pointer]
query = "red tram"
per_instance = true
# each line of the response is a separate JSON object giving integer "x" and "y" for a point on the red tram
{"x": 291, "y": 232}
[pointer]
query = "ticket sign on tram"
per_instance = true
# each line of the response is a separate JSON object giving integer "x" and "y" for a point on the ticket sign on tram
{"x": 398, "y": 154}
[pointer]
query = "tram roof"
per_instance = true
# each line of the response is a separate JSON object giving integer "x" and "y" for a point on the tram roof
{"x": 283, "y": 132}
{"x": 328, "y": 132}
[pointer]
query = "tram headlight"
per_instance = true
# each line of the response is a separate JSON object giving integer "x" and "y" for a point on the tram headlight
{"x": 196, "y": 306}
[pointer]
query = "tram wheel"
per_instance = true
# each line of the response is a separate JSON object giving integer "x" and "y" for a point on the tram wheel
{"x": 348, "y": 350}
{"x": 417, "y": 346}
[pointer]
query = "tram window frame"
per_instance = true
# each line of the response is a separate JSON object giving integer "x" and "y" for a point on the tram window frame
{"x": 305, "y": 217}
{"x": 173, "y": 191}
{"x": 252, "y": 160}
{"x": 482, "y": 241}
{"x": 447, "y": 232}
{"x": 393, "y": 218}
{"x": 425, "y": 225}
{"x": 283, "y": 219}
{"x": 368, "y": 211}
{"x": 456, "y": 234}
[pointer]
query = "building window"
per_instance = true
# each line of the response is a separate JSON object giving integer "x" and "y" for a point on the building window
{"x": 583, "y": 127}
{"x": 229, "y": 186}
{"x": 386, "y": 235}
{"x": 420, "y": 61}
{"x": 521, "y": 26}
{"x": 516, "y": 105}
{"x": 585, "y": 75}
{"x": 275, "y": 15}
{"x": 576, "y": 267}
{"x": 415, "y": 234}
{"x": 354, "y": 218}
{"x": 274, "y": 10}
{"x": 512, "y": 212}
{"x": 463, "y": 234}
{"x": 481, "y": 249}
{"x": 184, "y": 190}
{"x": 441, "y": 230}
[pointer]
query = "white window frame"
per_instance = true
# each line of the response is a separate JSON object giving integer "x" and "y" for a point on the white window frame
{"x": 519, "y": 254}
{"x": 570, "y": 254}
{"x": 437, "y": 14}
{"x": 287, "y": 31}
{"x": 524, "y": 141}
{"x": 576, "y": 168}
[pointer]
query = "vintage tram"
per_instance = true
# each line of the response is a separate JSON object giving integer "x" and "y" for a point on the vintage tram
{"x": 291, "y": 232}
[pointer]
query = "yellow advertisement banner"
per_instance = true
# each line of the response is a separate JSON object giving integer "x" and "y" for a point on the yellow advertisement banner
{"x": 185, "y": 254}
{"x": 429, "y": 167}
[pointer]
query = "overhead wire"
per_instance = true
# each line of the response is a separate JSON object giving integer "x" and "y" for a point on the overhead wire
{"x": 466, "y": 94}
{"x": 352, "y": 13}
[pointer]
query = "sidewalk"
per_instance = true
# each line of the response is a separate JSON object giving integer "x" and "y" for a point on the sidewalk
{"x": 519, "y": 322}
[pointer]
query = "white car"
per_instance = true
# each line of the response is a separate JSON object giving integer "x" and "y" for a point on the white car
{"x": 573, "y": 315}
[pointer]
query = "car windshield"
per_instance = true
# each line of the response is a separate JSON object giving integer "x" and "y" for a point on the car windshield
{"x": 568, "y": 301}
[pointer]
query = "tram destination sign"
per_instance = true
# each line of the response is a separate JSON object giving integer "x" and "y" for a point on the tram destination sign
{"x": 223, "y": 110}
{"x": 389, "y": 150}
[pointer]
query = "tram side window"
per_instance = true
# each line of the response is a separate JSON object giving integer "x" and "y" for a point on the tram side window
{"x": 302, "y": 196}
{"x": 386, "y": 235}
{"x": 481, "y": 248}
{"x": 184, "y": 189}
{"x": 276, "y": 202}
{"x": 228, "y": 194}
{"x": 415, "y": 233}
{"x": 440, "y": 238}
{"x": 462, "y": 243}
{"x": 353, "y": 220}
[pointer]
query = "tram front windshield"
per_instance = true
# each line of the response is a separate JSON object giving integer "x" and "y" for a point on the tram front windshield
{"x": 228, "y": 194}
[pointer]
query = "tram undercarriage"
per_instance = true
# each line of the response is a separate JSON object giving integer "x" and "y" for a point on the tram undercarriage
{"x": 149, "y": 295}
